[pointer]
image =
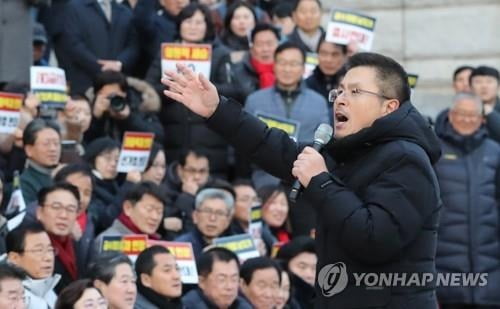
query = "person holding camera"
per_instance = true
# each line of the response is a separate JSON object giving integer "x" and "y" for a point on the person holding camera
{"x": 122, "y": 104}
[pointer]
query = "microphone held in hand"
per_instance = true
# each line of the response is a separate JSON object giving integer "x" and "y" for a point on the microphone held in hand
{"x": 322, "y": 136}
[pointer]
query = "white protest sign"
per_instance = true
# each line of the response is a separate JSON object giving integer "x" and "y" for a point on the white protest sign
{"x": 49, "y": 85}
{"x": 10, "y": 106}
{"x": 184, "y": 257}
{"x": 346, "y": 27}
{"x": 136, "y": 148}
{"x": 196, "y": 56}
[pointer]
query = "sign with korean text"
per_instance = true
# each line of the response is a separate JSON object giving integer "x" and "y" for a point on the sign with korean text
{"x": 241, "y": 244}
{"x": 130, "y": 245}
{"x": 49, "y": 85}
{"x": 196, "y": 56}
{"x": 291, "y": 127}
{"x": 184, "y": 256}
{"x": 347, "y": 26}
{"x": 311, "y": 63}
{"x": 136, "y": 148}
{"x": 255, "y": 226}
{"x": 10, "y": 106}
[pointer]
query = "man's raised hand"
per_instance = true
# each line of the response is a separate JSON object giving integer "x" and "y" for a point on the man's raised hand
{"x": 194, "y": 91}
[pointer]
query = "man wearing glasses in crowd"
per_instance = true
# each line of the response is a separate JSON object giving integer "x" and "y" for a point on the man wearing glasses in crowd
{"x": 212, "y": 215}
{"x": 29, "y": 247}
{"x": 373, "y": 186}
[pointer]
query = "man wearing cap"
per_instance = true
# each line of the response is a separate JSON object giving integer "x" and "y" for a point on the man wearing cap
{"x": 39, "y": 45}
{"x": 484, "y": 83}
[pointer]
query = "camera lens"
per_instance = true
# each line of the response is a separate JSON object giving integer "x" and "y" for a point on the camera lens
{"x": 117, "y": 103}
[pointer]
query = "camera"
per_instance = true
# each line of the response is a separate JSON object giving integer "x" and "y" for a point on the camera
{"x": 117, "y": 103}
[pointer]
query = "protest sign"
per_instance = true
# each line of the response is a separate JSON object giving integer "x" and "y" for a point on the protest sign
{"x": 346, "y": 27}
{"x": 130, "y": 245}
{"x": 241, "y": 244}
{"x": 310, "y": 65}
{"x": 198, "y": 57}
{"x": 412, "y": 80}
{"x": 49, "y": 85}
{"x": 136, "y": 148}
{"x": 10, "y": 107}
{"x": 291, "y": 127}
{"x": 255, "y": 226}
{"x": 184, "y": 256}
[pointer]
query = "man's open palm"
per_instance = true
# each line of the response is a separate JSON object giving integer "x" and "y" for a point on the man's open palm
{"x": 194, "y": 91}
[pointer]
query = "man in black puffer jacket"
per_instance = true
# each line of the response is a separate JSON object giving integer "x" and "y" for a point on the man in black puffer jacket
{"x": 373, "y": 187}
{"x": 468, "y": 173}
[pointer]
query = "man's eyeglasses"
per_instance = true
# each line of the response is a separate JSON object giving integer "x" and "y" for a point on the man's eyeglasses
{"x": 211, "y": 212}
{"x": 192, "y": 171}
{"x": 70, "y": 209}
{"x": 40, "y": 252}
{"x": 355, "y": 92}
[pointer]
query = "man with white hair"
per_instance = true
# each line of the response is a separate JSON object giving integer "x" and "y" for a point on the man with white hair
{"x": 212, "y": 215}
{"x": 468, "y": 235}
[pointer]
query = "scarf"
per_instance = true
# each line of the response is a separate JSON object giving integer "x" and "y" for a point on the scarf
{"x": 66, "y": 253}
{"x": 158, "y": 300}
{"x": 125, "y": 220}
{"x": 265, "y": 72}
{"x": 82, "y": 221}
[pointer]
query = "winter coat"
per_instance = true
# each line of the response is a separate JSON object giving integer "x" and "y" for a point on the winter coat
{"x": 195, "y": 299}
{"x": 377, "y": 206}
{"x": 33, "y": 179}
{"x": 469, "y": 229}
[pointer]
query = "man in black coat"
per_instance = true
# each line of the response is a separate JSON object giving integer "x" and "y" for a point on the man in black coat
{"x": 373, "y": 186}
{"x": 93, "y": 43}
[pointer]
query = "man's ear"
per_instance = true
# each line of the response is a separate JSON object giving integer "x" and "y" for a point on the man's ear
{"x": 127, "y": 208}
{"x": 179, "y": 171}
{"x": 28, "y": 149}
{"x": 391, "y": 106}
{"x": 201, "y": 282}
{"x": 194, "y": 216}
{"x": 146, "y": 280}
{"x": 13, "y": 257}
{"x": 39, "y": 212}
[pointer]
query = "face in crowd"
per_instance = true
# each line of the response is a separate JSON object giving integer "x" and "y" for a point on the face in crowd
{"x": 146, "y": 214}
{"x": 307, "y": 16}
{"x": 212, "y": 217}
{"x": 220, "y": 286}
{"x": 486, "y": 87}
{"x": 37, "y": 256}
{"x": 275, "y": 210}
{"x": 331, "y": 58}
{"x": 196, "y": 169}
{"x": 58, "y": 213}
{"x": 283, "y": 295}
{"x": 261, "y": 291}
{"x": 121, "y": 291}
{"x": 461, "y": 81}
{"x": 242, "y": 22}
{"x": 194, "y": 28}
{"x": 12, "y": 294}
{"x": 289, "y": 68}
{"x": 156, "y": 172}
{"x": 465, "y": 117}
{"x": 165, "y": 278}
{"x": 263, "y": 46}
{"x": 106, "y": 163}
{"x": 245, "y": 198}
{"x": 46, "y": 149}
{"x": 304, "y": 266}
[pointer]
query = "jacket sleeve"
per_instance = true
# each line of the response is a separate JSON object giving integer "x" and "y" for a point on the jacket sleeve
{"x": 73, "y": 40}
{"x": 375, "y": 229}
{"x": 271, "y": 149}
{"x": 130, "y": 53}
{"x": 493, "y": 125}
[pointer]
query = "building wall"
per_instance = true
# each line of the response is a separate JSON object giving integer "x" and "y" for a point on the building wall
{"x": 431, "y": 38}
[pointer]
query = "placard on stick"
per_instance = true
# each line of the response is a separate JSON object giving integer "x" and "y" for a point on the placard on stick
{"x": 347, "y": 26}
{"x": 49, "y": 85}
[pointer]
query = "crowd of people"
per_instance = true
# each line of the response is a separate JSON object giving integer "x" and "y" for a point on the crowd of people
{"x": 195, "y": 187}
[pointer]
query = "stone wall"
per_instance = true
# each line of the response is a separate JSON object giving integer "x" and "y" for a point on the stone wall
{"x": 431, "y": 38}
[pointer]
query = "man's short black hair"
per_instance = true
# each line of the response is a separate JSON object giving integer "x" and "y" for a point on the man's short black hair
{"x": 283, "y": 9}
{"x": 110, "y": 77}
{"x": 195, "y": 152}
{"x": 391, "y": 77}
{"x": 243, "y": 182}
{"x": 252, "y": 265}
{"x": 264, "y": 27}
{"x": 289, "y": 45}
{"x": 9, "y": 271}
{"x": 72, "y": 169}
{"x": 297, "y": 2}
{"x": 36, "y": 125}
{"x": 15, "y": 241}
{"x": 484, "y": 71}
{"x": 342, "y": 47}
{"x": 145, "y": 262}
{"x": 296, "y": 246}
{"x": 104, "y": 267}
{"x": 64, "y": 186}
{"x": 136, "y": 193}
{"x": 460, "y": 69}
{"x": 205, "y": 262}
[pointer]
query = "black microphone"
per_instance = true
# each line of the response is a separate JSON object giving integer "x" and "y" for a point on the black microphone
{"x": 322, "y": 135}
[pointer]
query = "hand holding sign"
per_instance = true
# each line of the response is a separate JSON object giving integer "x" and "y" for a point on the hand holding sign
{"x": 197, "y": 93}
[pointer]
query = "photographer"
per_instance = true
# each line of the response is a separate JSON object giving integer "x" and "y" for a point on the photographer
{"x": 122, "y": 104}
